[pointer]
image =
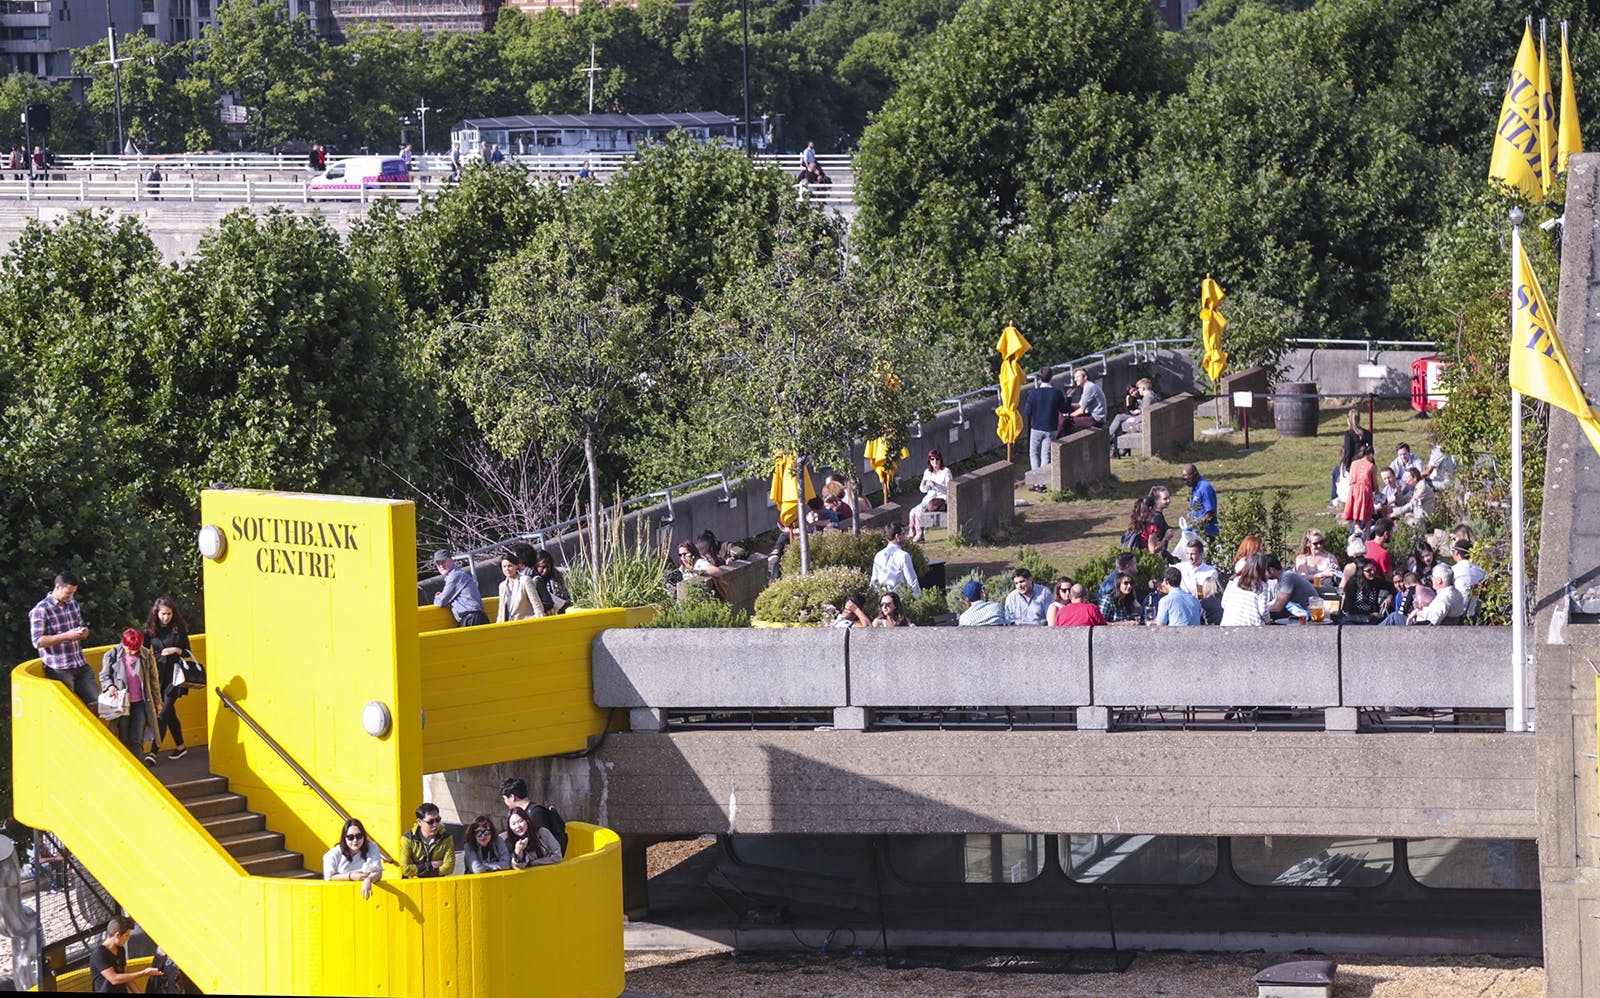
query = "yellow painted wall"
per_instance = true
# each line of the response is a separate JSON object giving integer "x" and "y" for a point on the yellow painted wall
{"x": 554, "y": 930}
{"x": 512, "y": 691}
{"x": 309, "y": 617}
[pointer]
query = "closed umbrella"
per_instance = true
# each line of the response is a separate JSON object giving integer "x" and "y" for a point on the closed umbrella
{"x": 1212, "y": 323}
{"x": 783, "y": 491}
{"x": 1008, "y": 417}
{"x": 877, "y": 451}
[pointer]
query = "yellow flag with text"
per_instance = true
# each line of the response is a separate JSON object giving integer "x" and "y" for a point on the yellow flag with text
{"x": 1539, "y": 365}
{"x": 1571, "y": 138}
{"x": 1516, "y": 159}
{"x": 1547, "y": 119}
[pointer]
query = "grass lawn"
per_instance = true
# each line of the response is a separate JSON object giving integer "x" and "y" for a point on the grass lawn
{"x": 1068, "y": 533}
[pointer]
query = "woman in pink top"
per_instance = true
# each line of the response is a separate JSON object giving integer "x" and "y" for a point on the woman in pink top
{"x": 130, "y": 667}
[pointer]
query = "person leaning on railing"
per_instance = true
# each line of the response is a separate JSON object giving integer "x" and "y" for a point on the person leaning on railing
{"x": 529, "y": 842}
{"x": 355, "y": 857}
{"x": 427, "y": 850}
{"x": 485, "y": 851}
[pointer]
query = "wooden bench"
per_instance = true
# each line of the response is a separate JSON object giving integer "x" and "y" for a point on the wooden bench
{"x": 1164, "y": 428}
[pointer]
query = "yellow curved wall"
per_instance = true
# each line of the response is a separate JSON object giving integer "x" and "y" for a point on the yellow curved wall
{"x": 553, "y": 930}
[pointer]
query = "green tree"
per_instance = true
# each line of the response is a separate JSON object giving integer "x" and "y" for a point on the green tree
{"x": 68, "y": 130}
{"x": 159, "y": 114}
{"x": 273, "y": 63}
{"x": 380, "y": 71}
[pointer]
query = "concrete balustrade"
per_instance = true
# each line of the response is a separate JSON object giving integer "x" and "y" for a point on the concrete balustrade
{"x": 1093, "y": 669}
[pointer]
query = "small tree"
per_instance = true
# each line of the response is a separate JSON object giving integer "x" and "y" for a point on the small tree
{"x": 554, "y": 359}
{"x": 810, "y": 359}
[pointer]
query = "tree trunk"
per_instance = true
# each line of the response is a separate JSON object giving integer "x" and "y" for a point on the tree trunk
{"x": 594, "y": 509}
{"x": 850, "y": 494}
{"x": 800, "y": 515}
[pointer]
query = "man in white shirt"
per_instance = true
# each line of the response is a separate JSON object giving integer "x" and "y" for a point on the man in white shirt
{"x": 1201, "y": 580}
{"x": 1396, "y": 491}
{"x": 1446, "y": 607}
{"x": 1028, "y": 602}
{"x": 892, "y": 566}
{"x": 1467, "y": 575}
{"x": 980, "y": 612}
{"x": 1403, "y": 459}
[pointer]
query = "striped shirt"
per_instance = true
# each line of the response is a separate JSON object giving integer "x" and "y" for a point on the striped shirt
{"x": 49, "y": 617}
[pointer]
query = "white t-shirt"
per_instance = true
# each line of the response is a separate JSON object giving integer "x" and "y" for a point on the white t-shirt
{"x": 1200, "y": 580}
{"x": 1243, "y": 608}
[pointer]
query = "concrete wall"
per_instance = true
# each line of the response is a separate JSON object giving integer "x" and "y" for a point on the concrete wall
{"x": 175, "y": 228}
{"x": 982, "y": 502}
{"x": 1167, "y": 427}
{"x": 1255, "y": 379}
{"x": 1080, "y": 458}
{"x": 1336, "y": 370}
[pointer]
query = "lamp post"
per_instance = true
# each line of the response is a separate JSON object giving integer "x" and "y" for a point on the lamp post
{"x": 116, "y": 73}
{"x": 744, "y": 15}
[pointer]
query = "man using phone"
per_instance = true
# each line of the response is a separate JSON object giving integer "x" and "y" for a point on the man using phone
{"x": 56, "y": 629}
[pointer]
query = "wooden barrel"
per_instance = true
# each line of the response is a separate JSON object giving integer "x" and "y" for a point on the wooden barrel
{"x": 1294, "y": 409}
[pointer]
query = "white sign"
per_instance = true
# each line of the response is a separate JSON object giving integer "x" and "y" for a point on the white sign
{"x": 1374, "y": 372}
{"x": 1244, "y": 400}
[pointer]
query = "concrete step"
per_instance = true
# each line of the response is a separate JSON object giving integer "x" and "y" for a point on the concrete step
{"x": 277, "y": 863}
{"x": 199, "y": 786}
{"x": 214, "y": 804}
{"x": 234, "y": 823}
{"x": 251, "y": 843}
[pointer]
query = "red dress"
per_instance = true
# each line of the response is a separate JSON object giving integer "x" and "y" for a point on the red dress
{"x": 1363, "y": 483}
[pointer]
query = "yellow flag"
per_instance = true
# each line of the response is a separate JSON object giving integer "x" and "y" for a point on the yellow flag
{"x": 1212, "y": 324}
{"x": 1539, "y": 365}
{"x": 1547, "y": 118}
{"x": 1515, "y": 159}
{"x": 1571, "y": 137}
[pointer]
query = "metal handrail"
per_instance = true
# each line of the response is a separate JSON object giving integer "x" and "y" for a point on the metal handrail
{"x": 305, "y": 777}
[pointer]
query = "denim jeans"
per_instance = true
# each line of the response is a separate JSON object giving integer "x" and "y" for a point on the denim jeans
{"x": 1039, "y": 449}
{"x": 80, "y": 680}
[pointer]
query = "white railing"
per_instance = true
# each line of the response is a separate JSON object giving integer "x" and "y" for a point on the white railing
{"x": 603, "y": 163}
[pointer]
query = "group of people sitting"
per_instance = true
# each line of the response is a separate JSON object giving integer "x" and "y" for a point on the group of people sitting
{"x": 1050, "y": 412}
{"x": 1371, "y": 587}
{"x": 1406, "y": 487}
{"x": 534, "y": 835}
{"x": 532, "y": 587}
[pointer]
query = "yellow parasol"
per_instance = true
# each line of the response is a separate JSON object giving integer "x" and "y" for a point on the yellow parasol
{"x": 783, "y": 491}
{"x": 1212, "y": 323}
{"x": 877, "y": 451}
{"x": 1008, "y": 417}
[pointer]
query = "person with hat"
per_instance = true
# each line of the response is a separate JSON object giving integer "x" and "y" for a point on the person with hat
{"x": 130, "y": 668}
{"x": 981, "y": 612}
{"x": 460, "y": 592}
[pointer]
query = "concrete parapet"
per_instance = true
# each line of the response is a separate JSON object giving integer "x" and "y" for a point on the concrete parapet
{"x": 970, "y": 666}
{"x": 982, "y": 501}
{"x": 1166, "y": 427}
{"x": 1216, "y": 666}
{"x": 1255, "y": 379}
{"x": 720, "y": 667}
{"x": 1079, "y": 459}
{"x": 1427, "y": 666}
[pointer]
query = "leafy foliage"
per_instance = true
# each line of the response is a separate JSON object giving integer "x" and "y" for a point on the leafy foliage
{"x": 1090, "y": 572}
{"x": 699, "y": 608}
{"x": 1260, "y": 513}
{"x": 800, "y": 599}
{"x": 837, "y": 547}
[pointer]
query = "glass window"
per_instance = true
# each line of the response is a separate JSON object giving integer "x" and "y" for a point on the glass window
{"x": 1139, "y": 859}
{"x": 1474, "y": 864}
{"x": 1312, "y": 861}
{"x": 823, "y": 855}
{"x": 967, "y": 859}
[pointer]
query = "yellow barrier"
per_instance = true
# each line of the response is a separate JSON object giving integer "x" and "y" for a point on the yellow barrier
{"x": 551, "y": 930}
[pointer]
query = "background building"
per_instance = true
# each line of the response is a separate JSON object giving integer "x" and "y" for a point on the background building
{"x": 578, "y": 134}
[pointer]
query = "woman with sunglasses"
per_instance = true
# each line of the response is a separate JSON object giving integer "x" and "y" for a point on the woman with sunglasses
{"x": 1315, "y": 562}
{"x": 935, "y": 492}
{"x": 1368, "y": 596}
{"x": 890, "y": 613}
{"x": 486, "y": 851}
{"x": 1121, "y": 605}
{"x": 528, "y": 842}
{"x": 354, "y": 858}
{"x": 1063, "y": 595}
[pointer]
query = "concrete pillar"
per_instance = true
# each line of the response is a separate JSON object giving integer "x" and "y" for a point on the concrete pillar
{"x": 635, "y": 877}
{"x": 849, "y": 719}
{"x": 1094, "y": 718}
{"x": 1340, "y": 719}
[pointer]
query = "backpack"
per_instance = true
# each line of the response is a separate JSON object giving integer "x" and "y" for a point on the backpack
{"x": 173, "y": 980}
{"x": 551, "y": 819}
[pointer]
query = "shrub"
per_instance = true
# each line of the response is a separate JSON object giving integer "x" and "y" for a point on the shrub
{"x": 833, "y": 548}
{"x": 1033, "y": 560}
{"x": 925, "y": 607}
{"x": 1260, "y": 512}
{"x": 699, "y": 608}
{"x": 631, "y": 568}
{"x": 1091, "y": 572}
{"x": 799, "y": 599}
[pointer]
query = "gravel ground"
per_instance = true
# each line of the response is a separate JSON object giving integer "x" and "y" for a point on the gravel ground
{"x": 1182, "y": 975}
{"x": 663, "y": 856}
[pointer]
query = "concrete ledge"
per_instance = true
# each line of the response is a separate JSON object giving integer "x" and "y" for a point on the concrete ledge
{"x": 720, "y": 667}
{"x": 1428, "y": 667}
{"x": 1255, "y": 379}
{"x": 969, "y": 666}
{"x": 1079, "y": 458}
{"x": 1216, "y": 666}
{"x": 1166, "y": 427}
{"x": 981, "y": 501}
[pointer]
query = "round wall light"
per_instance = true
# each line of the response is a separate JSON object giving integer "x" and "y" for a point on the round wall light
{"x": 375, "y": 719}
{"x": 213, "y": 543}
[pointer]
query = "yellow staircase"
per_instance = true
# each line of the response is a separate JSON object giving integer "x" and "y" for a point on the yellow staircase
{"x": 339, "y": 668}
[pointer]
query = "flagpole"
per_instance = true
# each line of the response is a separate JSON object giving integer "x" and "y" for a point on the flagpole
{"x": 1518, "y": 569}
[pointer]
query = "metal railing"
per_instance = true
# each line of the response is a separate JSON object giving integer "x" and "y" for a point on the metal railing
{"x": 305, "y": 777}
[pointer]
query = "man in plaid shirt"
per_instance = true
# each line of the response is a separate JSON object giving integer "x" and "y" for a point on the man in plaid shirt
{"x": 55, "y": 626}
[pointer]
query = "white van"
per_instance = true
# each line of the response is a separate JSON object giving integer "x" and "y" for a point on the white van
{"x": 362, "y": 171}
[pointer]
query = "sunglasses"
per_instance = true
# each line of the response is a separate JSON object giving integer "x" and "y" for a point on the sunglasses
{"x": 430, "y": 821}
{"x": 480, "y": 833}
{"x": 354, "y": 837}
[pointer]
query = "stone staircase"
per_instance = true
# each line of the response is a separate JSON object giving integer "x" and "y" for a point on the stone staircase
{"x": 242, "y": 832}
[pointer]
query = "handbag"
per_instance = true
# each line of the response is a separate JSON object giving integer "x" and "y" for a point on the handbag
{"x": 188, "y": 673}
{"x": 112, "y": 703}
